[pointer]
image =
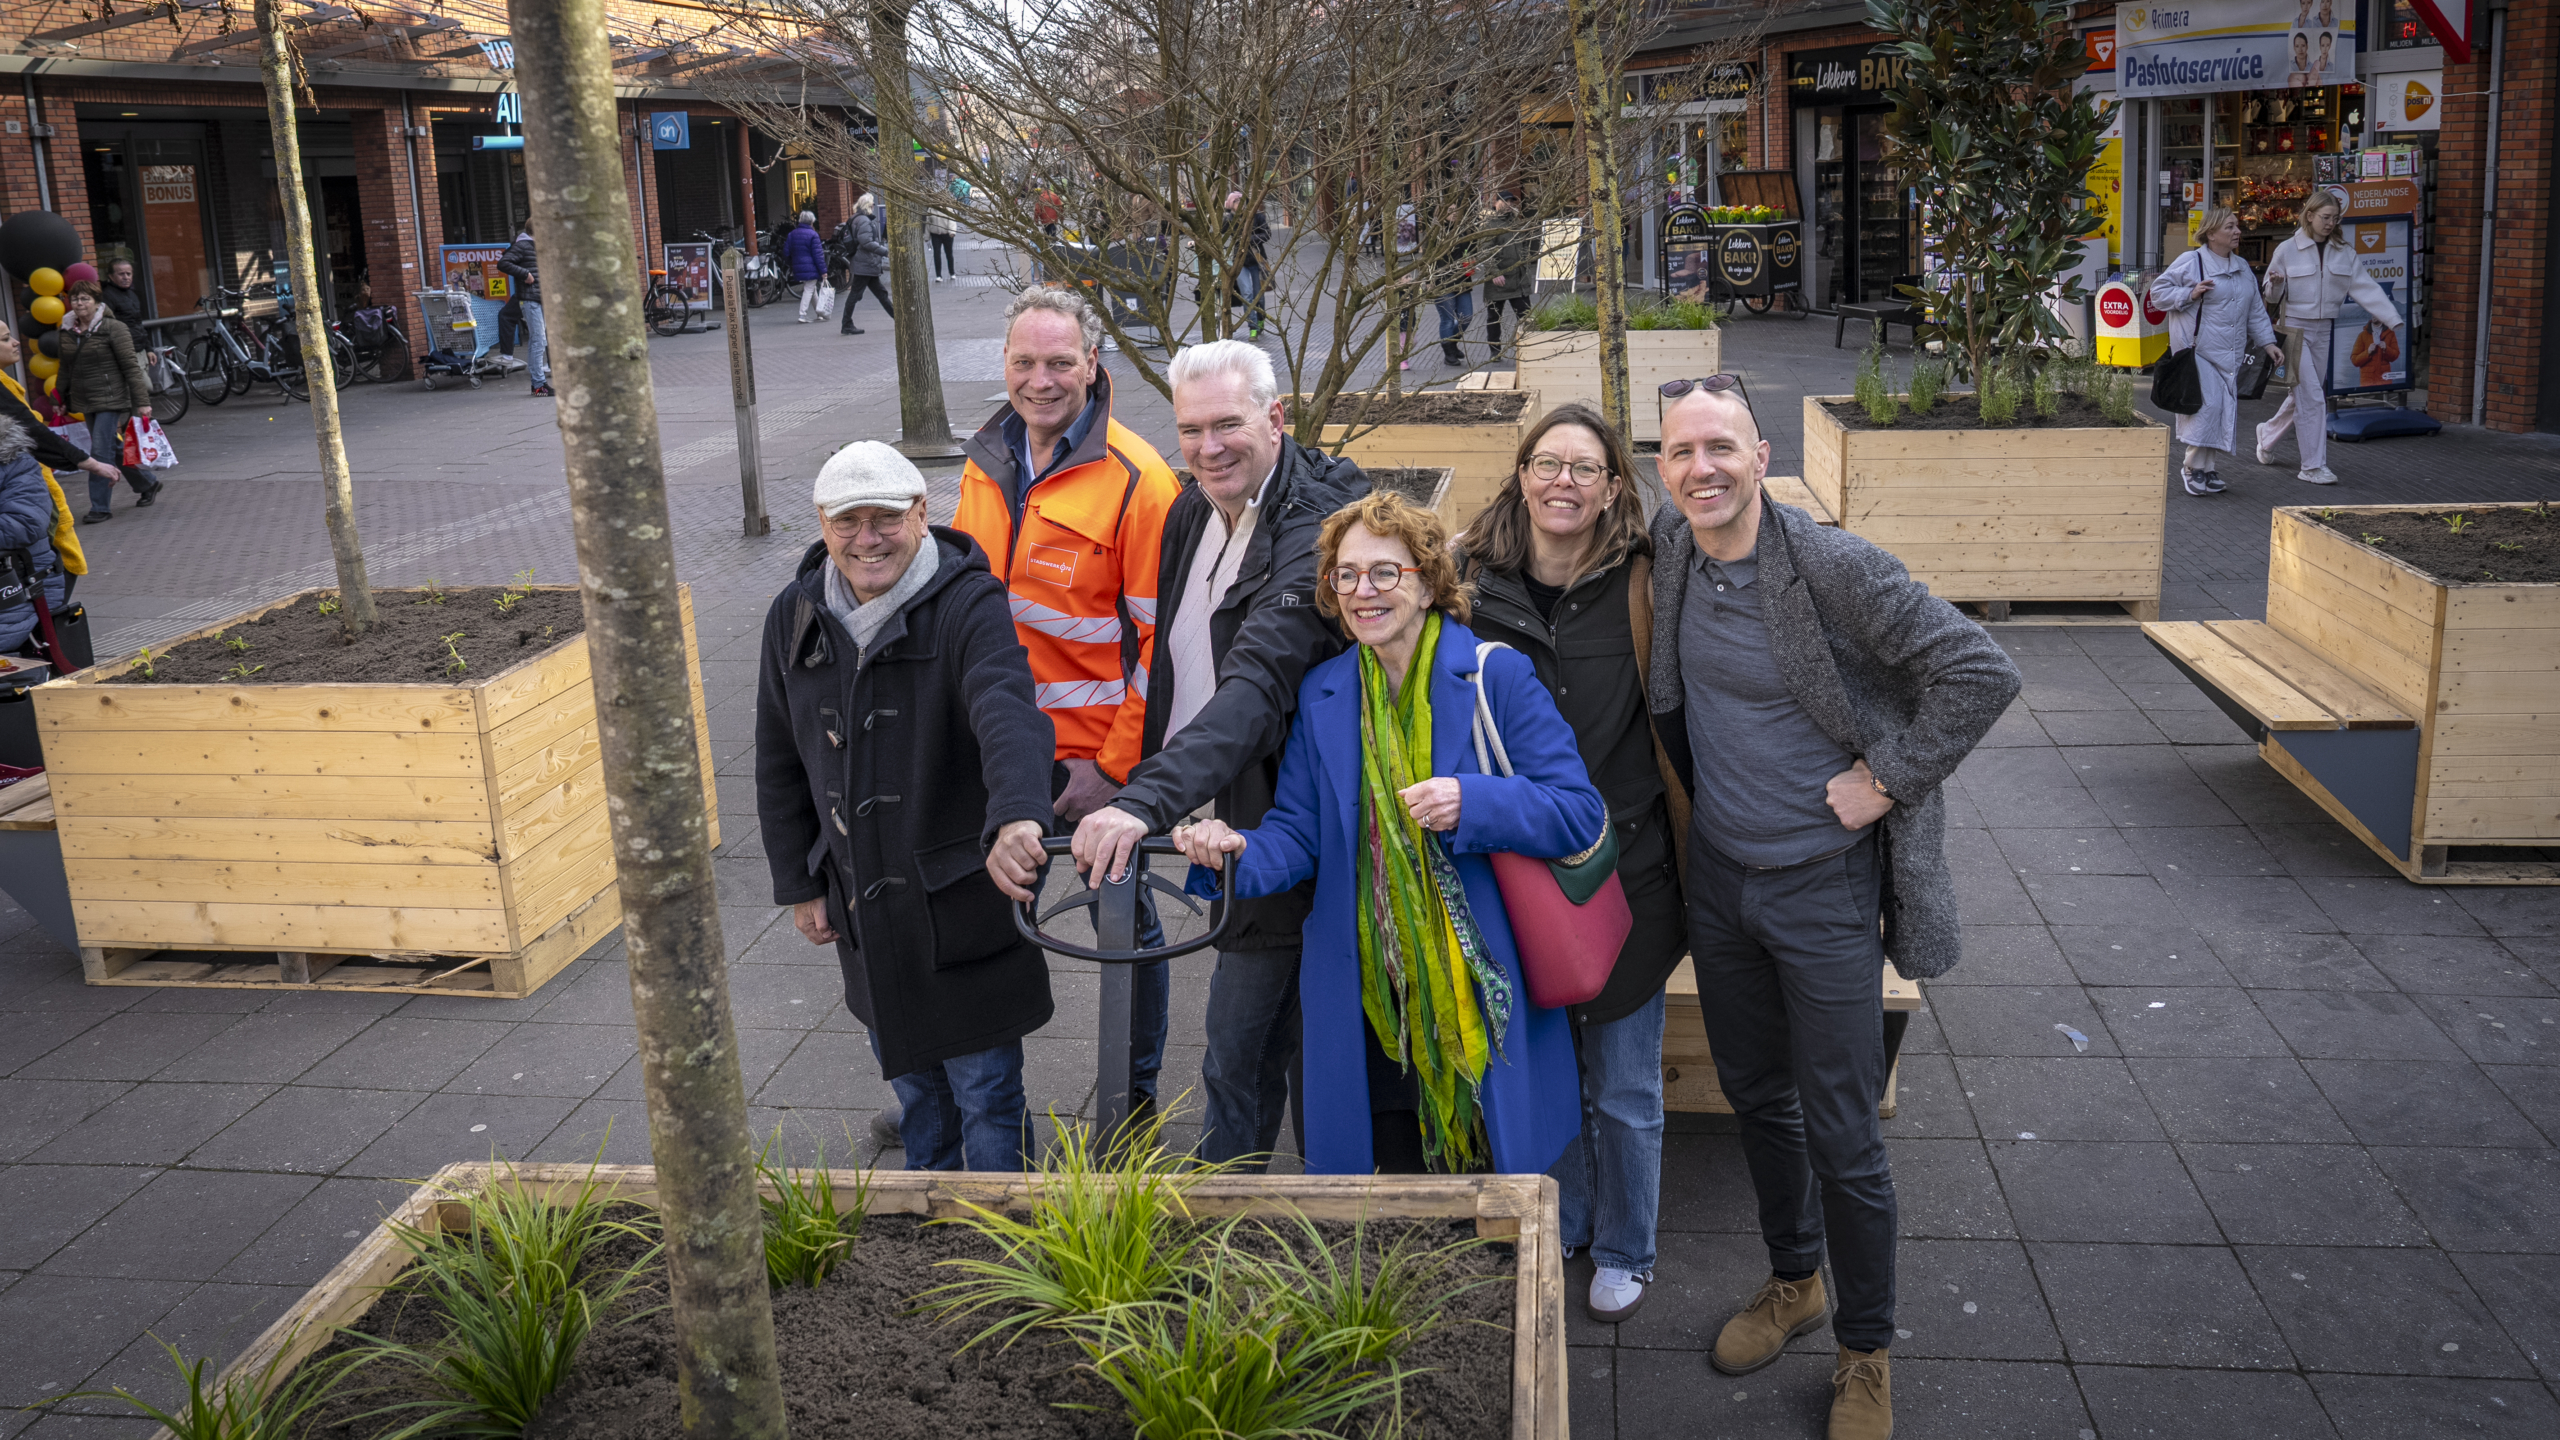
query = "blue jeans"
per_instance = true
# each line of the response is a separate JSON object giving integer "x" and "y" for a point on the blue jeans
{"x": 537, "y": 350}
{"x": 1609, "y": 1181}
{"x": 1249, "y": 282}
{"x": 966, "y": 1113}
{"x": 1455, "y": 311}
{"x": 107, "y": 443}
{"x": 1253, "y": 1047}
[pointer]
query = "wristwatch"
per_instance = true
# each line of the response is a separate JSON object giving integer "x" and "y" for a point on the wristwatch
{"x": 1879, "y": 784}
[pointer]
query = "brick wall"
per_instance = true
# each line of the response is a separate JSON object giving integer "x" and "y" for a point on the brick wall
{"x": 2522, "y": 227}
{"x": 382, "y": 187}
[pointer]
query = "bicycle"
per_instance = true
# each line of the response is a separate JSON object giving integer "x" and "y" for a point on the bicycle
{"x": 667, "y": 306}
{"x": 171, "y": 387}
{"x": 384, "y": 337}
{"x": 242, "y": 352}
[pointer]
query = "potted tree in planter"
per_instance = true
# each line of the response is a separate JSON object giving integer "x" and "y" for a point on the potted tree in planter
{"x": 1672, "y": 339}
{"x": 1985, "y": 496}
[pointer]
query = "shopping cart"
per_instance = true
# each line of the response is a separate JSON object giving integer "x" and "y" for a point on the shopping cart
{"x": 452, "y": 339}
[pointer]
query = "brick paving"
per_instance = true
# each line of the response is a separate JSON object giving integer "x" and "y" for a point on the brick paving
{"x": 2301, "y": 1182}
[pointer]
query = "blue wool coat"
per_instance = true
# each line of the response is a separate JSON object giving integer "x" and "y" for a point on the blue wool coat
{"x": 1531, "y": 1090}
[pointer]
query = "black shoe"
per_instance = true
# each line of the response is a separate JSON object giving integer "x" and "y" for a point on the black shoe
{"x": 543, "y": 390}
{"x": 850, "y": 330}
{"x": 94, "y": 516}
{"x": 143, "y": 502}
{"x": 1450, "y": 354}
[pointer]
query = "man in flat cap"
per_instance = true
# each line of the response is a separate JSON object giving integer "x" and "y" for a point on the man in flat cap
{"x": 902, "y": 782}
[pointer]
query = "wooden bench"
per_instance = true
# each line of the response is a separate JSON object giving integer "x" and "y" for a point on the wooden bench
{"x": 1489, "y": 380}
{"x": 2310, "y": 719}
{"x": 1689, "y": 1068}
{"x": 1791, "y": 490}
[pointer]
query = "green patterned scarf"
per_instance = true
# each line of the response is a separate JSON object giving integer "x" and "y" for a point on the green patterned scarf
{"x": 1438, "y": 1003}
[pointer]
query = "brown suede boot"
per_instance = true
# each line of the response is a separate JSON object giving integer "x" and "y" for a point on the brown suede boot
{"x": 1862, "y": 1395}
{"x": 1781, "y": 1311}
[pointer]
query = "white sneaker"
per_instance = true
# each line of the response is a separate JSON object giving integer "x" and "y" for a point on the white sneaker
{"x": 2318, "y": 475}
{"x": 1615, "y": 1294}
{"x": 2263, "y": 457}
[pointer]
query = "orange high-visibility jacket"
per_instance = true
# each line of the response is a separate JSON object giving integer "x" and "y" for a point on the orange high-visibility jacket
{"x": 1082, "y": 571}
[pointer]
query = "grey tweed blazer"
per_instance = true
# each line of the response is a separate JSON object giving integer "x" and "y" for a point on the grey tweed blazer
{"x": 1887, "y": 670}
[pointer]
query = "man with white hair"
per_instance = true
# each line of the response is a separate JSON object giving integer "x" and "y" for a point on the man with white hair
{"x": 1237, "y": 631}
{"x": 902, "y": 787}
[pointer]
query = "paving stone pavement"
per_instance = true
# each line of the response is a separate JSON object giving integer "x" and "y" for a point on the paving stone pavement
{"x": 2301, "y": 1182}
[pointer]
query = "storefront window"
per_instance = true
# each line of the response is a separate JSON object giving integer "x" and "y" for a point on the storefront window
{"x": 147, "y": 205}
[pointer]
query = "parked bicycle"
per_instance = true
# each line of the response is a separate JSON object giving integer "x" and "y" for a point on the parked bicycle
{"x": 236, "y": 352}
{"x": 164, "y": 370}
{"x": 666, "y": 305}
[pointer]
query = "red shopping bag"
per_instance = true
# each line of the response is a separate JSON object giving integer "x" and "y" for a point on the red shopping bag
{"x": 132, "y": 446}
{"x": 146, "y": 445}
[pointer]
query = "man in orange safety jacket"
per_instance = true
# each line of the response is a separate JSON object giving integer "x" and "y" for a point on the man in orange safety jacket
{"x": 1070, "y": 508}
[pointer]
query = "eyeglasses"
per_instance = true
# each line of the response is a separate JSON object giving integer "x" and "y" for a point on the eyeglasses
{"x": 852, "y": 526}
{"x": 1712, "y": 384}
{"x": 1585, "y": 473}
{"x": 1385, "y": 576}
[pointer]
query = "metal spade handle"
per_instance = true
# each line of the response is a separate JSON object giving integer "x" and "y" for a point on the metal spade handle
{"x": 1114, "y": 904}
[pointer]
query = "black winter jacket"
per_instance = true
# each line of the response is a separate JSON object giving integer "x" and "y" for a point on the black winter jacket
{"x": 1266, "y": 635}
{"x": 880, "y": 787}
{"x": 1589, "y": 660}
{"x": 520, "y": 262}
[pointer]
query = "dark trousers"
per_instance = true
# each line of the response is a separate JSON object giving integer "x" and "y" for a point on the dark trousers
{"x": 1251, "y": 1065}
{"x": 853, "y": 296}
{"x": 1789, "y": 972}
{"x": 943, "y": 263}
{"x": 1493, "y": 305}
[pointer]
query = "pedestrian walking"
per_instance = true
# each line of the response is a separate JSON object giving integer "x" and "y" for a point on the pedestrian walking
{"x": 523, "y": 266}
{"x": 804, "y": 256}
{"x": 1562, "y": 571}
{"x": 122, "y": 300}
{"x": 1423, "y": 1053}
{"x": 2213, "y": 307}
{"x": 868, "y": 261}
{"x": 27, "y": 559}
{"x": 1236, "y": 633}
{"x": 1071, "y": 507}
{"x": 55, "y": 454}
{"x": 1251, "y": 234}
{"x": 1813, "y": 698}
{"x": 2311, "y": 275}
{"x": 1512, "y": 272}
{"x": 944, "y": 232}
{"x": 101, "y": 378}
{"x": 902, "y": 770}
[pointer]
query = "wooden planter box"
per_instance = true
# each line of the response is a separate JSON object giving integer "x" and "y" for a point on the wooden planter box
{"x": 432, "y": 823}
{"x": 1994, "y": 516}
{"x": 1478, "y": 457}
{"x": 2464, "y": 748}
{"x": 1519, "y": 1206}
{"x": 1563, "y": 366}
{"x": 1689, "y": 1080}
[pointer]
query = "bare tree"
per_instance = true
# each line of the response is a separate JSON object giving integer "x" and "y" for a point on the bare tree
{"x": 276, "y": 63}
{"x": 727, "y": 1379}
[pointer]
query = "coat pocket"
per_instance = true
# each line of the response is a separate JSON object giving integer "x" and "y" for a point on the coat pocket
{"x": 971, "y": 919}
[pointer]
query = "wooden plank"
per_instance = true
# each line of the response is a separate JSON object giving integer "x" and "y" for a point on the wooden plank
{"x": 1790, "y": 490}
{"x": 254, "y": 882}
{"x": 362, "y": 930}
{"x": 397, "y": 754}
{"x": 513, "y": 692}
{"x": 2050, "y": 482}
{"x": 2460, "y": 737}
{"x": 563, "y": 872}
{"x": 2247, "y": 683}
{"x": 1681, "y": 989}
{"x": 539, "y": 814}
{"x": 2342, "y": 695}
{"x": 2504, "y": 607}
{"x": 28, "y": 805}
{"x": 543, "y": 726}
{"x": 326, "y": 709}
{"x": 2492, "y": 819}
{"x": 2370, "y": 571}
{"x": 2387, "y": 645}
{"x": 1884, "y": 500}
{"x": 2070, "y": 445}
{"x": 2050, "y": 534}
{"x": 2466, "y": 691}
{"x": 279, "y": 797}
{"x": 352, "y": 842}
{"x": 2526, "y": 774}
{"x": 530, "y": 968}
{"x": 2513, "y": 649}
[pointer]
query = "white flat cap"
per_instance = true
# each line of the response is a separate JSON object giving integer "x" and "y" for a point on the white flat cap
{"x": 868, "y": 472}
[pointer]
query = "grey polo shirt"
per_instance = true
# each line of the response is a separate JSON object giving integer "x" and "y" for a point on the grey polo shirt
{"x": 1762, "y": 765}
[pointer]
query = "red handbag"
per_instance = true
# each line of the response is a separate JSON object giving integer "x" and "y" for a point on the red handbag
{"x": 1569, "y": 917}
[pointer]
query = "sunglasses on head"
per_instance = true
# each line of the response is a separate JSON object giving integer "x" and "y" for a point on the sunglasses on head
{"x": 1711, "y": 384}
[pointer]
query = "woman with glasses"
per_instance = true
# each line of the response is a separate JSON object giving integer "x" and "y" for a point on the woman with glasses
{"x": 1562, "y": 571}
{"x": 1422, "y": 1051}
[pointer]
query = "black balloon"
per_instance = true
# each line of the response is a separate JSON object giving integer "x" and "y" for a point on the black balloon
{"x": 33, "y": 240}
{"x": 50, "y": 342}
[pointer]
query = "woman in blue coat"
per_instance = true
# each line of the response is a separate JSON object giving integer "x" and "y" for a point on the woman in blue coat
{"x": 804, "y": 258}
{"x": 1422, "y": 1051}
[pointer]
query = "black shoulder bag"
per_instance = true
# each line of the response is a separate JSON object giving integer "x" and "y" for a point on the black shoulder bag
{"x": 2175, "y": 385}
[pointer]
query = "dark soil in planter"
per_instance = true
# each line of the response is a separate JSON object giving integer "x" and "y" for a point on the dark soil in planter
{"x": 857, "y": 1364}
{"x": 299, "y": 645}
{"x": 1426, "y": 407}
{"x": 1415, "y": 485}
{"x": 1964, "y": 412}
{"x": 2473, "y": 557}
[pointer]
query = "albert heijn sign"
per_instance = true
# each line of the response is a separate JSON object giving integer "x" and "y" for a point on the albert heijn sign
{"x": 1844, "y": 75}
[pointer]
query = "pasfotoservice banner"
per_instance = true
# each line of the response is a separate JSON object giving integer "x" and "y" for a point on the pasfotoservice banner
{"x": 2202, "y": 47}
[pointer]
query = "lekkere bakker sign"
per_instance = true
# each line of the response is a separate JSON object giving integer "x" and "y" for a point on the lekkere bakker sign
{"x": 1844, "y": 75}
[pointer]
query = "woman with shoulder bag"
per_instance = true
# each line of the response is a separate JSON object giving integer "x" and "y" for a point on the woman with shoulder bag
{"x": 1424, "y": 1052}
{"x": 2311, "y": 275}
{"x": 2214, "y": 310}
{"x": 1563, "y": 572}
{"x": 102, "y": 378}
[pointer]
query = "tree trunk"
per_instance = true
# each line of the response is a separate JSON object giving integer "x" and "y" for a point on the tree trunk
{"x": 924, "y": 422}
{"x": 1595, "y": 99}
{"x": 275, "y": 62}
{"x": 726, "y": 1376}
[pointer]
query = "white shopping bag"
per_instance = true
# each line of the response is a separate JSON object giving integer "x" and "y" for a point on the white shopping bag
{"x": 153, "y": 444}
{"x": 75, "y": 434}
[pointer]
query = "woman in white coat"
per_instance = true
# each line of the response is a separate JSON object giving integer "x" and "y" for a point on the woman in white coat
{"x": 2213, "y": 306}
{"x": 2311, "y": 275}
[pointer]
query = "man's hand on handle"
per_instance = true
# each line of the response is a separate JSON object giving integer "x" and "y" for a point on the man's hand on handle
{"x": 1013, "y": 862}
{"x": 1106, "y": 839}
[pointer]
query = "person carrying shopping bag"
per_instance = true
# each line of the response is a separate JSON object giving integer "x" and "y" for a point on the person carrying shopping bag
{"x": 2214, "y": 310}
{"x": 2310, "y": 276}
{"x": 102, "y": 379}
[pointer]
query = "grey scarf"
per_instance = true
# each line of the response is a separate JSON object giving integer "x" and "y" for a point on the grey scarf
{"x": 863, "y": 621}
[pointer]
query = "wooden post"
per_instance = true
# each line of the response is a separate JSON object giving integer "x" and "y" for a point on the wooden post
{"x": 742, "y": 396}
{"x": 275, "y": 63}
{"x": 727, "y": 1380}
{"x": 924, "y": 422}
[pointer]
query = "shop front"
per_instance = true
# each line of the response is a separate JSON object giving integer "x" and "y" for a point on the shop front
{"x": 1863, "y": 238}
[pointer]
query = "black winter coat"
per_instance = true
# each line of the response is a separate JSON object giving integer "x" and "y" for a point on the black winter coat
{"x": 1589, "y": 660}
{"x": 880, "y": 786}
{"x": 1266, "y": 635}
{"x": 521, "y": 262}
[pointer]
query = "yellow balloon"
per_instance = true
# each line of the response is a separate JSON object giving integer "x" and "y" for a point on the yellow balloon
{"x": 47, "y": 310}
{"x": 47, "y": 281}
{"x": 42, "y": 365}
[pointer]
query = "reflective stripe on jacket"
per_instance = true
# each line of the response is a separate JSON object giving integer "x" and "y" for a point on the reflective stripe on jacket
{"x": 1081, "y": 571}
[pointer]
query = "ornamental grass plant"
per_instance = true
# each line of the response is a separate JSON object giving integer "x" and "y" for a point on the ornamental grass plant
{"x": 806, "y": 1232}
{"x": 260, "y": 1407}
